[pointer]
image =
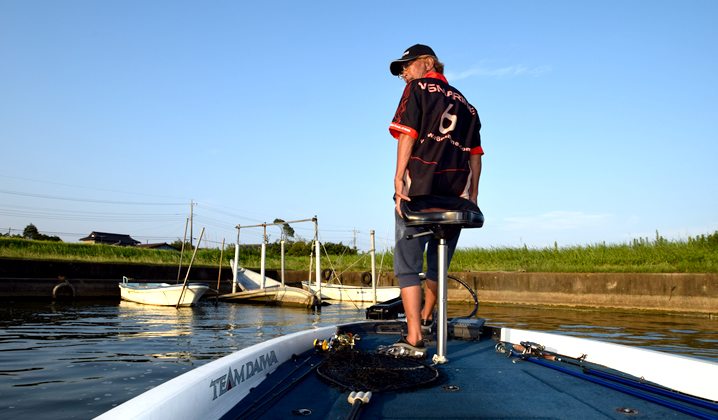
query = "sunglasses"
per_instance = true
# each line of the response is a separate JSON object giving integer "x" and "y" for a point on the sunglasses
{"x": 407, "y": 65}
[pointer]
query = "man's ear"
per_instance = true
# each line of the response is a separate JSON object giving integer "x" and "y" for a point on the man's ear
{"x": 429, "y": 63}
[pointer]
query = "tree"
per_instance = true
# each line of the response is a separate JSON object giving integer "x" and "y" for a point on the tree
{"x": 178, "y": 245}
{"x": 31, "y": 232}
{"x": 287, "y": 231}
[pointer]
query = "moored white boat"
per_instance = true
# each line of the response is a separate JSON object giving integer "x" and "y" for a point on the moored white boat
{"x": 258, "y": 289}
{"x": 353, "y": 293}
{"x": 162, "y": 294}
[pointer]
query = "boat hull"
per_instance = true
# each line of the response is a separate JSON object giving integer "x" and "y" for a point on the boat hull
{"x": 258, "y": 289}
{"x": 279, "y": 296}
{"x": 211, "y": 390}
{"x": 354, "y": 293}
{"x": 162, "y": 294}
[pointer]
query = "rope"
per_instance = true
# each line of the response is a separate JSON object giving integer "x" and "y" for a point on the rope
{"x": 319, "y": 237}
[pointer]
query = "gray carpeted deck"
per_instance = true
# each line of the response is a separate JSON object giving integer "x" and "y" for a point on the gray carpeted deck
{"x": 487, "y": 385}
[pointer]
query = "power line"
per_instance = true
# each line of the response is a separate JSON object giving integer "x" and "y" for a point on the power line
{"x": 114, "y": 217}
{"x": 88, "y": 188}
{"x": 87, "y": 200}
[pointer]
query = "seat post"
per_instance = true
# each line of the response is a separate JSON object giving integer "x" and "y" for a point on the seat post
{"x": 441, "y": 333}
{"x": 443, "y": 225}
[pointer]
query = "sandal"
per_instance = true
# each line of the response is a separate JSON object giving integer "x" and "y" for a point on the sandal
{"x": 428, "y": 326}
{"x": 403, "y": 348}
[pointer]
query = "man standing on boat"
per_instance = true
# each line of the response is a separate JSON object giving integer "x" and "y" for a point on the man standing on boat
{"x": 438, "y": 166}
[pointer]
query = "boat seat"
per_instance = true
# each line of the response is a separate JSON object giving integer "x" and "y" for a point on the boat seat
{"x": 442, "y": 223}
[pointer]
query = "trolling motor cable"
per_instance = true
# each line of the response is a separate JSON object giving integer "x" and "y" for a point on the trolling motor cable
{"x": 476, "y": 299}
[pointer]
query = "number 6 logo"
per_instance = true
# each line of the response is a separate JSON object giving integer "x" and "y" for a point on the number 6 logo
{"x": 450, "y": 117}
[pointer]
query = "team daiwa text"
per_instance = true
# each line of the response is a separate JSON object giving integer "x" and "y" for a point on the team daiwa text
{"x": 233, "y": 377}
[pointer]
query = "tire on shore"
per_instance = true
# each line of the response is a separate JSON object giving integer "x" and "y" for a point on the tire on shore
{"x": 63, "y": 291}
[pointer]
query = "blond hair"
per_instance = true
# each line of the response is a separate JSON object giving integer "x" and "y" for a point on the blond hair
{"x": 438, "y": 65}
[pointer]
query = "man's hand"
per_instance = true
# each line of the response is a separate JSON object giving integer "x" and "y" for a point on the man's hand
{"x": 400, "y": 194}
{"x": 475, "y": 164}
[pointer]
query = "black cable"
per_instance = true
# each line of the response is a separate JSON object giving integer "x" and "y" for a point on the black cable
{"x": 476, "y": 299}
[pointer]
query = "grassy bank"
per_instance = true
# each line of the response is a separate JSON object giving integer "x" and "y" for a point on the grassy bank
{"x": 695, "y": 255}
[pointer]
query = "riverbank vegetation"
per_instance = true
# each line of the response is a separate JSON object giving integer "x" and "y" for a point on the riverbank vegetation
{"x": 644, "y": 255}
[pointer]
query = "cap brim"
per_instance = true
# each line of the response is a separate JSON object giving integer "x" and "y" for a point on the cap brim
{"x": 396, "y": 66}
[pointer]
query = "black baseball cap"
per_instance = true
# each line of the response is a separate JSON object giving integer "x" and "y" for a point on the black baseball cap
{"x": 410, "y": 54}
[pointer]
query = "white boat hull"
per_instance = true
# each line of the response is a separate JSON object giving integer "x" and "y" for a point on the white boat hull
{"x": 274, "y": 296}
{"x": 162, "y": 294}
{"x": 249, "y": 280}
{"x": 256, "y": 289}
{"x": 354, "y": 293}
{"x": 209, "y": 391}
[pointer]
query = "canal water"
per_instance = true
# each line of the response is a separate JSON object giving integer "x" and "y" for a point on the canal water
{"x": 79, "y": 359}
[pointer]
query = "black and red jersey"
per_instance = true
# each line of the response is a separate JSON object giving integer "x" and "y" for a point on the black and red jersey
{"x": 446, "y": 129}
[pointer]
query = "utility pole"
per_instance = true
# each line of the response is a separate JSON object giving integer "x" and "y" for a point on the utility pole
{"x": 355, "y": 237}
{"x": 191, "y": 221}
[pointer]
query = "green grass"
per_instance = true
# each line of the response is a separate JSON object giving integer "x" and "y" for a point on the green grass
{"x": 695, "y": 255}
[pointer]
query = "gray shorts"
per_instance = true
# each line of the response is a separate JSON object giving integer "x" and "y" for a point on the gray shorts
{"x": 409, "y": 254}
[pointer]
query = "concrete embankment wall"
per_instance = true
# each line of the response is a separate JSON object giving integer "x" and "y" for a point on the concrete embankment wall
{"x": 669, "y": 292}
{"x": 672, "y": 292}
{"x": 39, "y": 279}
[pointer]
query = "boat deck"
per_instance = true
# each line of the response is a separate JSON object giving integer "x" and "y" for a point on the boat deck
{"x": 476, "y": 383}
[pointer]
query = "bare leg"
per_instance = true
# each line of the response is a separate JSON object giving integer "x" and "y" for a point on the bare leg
{"x": 411, "y": 297}
{"x": 431, "y": 293}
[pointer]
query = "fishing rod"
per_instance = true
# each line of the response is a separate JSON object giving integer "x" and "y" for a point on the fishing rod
{"x": 532, "y": 351}
{"x": 629, "y": 391}
{"x": 666, "y": 392}
{"x": 258, "y": 407}
{"x": 538, "y": 351}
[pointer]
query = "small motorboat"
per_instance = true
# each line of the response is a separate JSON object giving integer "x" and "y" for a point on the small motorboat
{"x": 162, "y": 294}
{"x": 353, "y": 293}
{"x": 256, "y": 288}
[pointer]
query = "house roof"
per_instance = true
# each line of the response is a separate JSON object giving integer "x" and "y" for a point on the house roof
{"x": 111, "y": 238}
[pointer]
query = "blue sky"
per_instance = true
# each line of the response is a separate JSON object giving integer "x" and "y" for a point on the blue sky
{"x": 599, "y": 118}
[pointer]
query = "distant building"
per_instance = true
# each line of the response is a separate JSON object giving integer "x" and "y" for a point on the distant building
{"x": 110, "y": 239}
{"x": 164, "y": 246}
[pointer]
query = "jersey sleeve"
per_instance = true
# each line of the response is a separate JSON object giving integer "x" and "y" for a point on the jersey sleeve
{"x": 476, "y": 141}
{"x": 407, "y": 119}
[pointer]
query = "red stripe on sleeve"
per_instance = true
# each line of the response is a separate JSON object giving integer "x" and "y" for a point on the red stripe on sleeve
{"x": 397, "y": 129}
{"x": 477, "y": 151}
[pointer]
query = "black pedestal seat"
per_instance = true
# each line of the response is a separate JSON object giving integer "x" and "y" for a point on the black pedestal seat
{"x": 443, "y": 222}
{"x": 442, "y": 217}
